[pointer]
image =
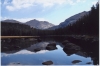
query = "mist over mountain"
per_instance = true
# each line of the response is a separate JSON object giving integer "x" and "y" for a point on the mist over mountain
{"x": 39, "y": 24}
{"x": 33, "y": 23}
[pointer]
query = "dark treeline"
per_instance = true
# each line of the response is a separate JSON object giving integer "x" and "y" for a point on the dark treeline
{"x": 87, "y": 25}
{"x": 16, "y": 29}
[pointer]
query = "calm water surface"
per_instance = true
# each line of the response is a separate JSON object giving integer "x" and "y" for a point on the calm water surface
{"x": 27, "y": 55}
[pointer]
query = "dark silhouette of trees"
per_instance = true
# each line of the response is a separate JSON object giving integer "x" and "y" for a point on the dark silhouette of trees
{"x": 86, "y": 25}
{"x": 16, "y": 29}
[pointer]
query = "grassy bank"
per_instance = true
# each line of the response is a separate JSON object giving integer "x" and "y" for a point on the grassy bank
{"x": 6, "y": 37}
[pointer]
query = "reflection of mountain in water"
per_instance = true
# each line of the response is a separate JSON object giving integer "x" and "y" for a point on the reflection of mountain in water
{"x": 40, "y": 46}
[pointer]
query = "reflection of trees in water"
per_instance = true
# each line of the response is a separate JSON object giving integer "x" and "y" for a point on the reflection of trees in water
{"x": 15, "y": 44}
{"x": 86, "y": 52}
{"x": 38, "y": 46}
{"x": 54, "y": 38}
{"x": 92, "y": 52}
{"x": 90, "y": 48}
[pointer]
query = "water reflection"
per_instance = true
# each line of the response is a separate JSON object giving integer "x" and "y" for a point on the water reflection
{"x": 27, "y": 56}
{"x": 15, "y": 45}
{"x": 24, "y": 51}
{"x": 40, "y": 46}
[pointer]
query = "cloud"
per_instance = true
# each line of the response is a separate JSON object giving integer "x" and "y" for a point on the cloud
{"x": 83, "y": 1}
{"x": 10, "y": 8}
{"x": 94, "y": 2}
{"x": 23, "y": 20}
{"x": 78, "y": 0}
{"x": 4, "y": 18}
{"x": 50, "y": 3}
{"x": 19, "y": 4}
{"x": 0, "y": 17}
{"x": 23, "y": 52}
{"x": 28, "y": 19}
{"x": 0, "y": 3}
{"x": 6, "y": 2}
{"x": 71, "y": 2}
{"x": 29, "y": 52}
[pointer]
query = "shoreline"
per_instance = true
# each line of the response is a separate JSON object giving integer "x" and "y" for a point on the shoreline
{"x": 6, "y": 37}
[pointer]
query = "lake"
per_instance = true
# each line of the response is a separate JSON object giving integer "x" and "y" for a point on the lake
{"x": 22, "y": 52}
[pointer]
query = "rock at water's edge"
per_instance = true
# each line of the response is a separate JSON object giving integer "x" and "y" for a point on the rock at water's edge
{"x": 47, "y": 63}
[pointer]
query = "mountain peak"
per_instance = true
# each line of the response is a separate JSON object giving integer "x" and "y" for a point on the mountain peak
{"x": 35, "y": 20}
{"x": 32, "y": 20}
{"x": 73, "y": 18}
{"x": 39, "y": 24}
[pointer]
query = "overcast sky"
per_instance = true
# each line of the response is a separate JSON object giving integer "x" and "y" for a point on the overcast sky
{"x": 53, "y": 11}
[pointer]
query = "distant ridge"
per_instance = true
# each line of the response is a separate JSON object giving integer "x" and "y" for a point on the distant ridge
{"x": 70, "y": 20}
{"x": 11, "y": 21}
{"x": 33, "y": 23}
